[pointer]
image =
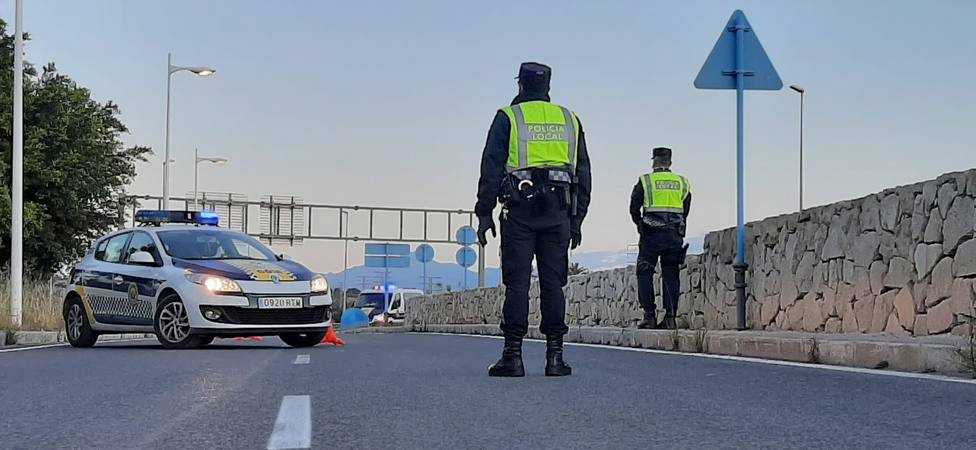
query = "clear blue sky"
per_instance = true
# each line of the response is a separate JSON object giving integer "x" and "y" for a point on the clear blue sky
{"x": 315, "y": 98}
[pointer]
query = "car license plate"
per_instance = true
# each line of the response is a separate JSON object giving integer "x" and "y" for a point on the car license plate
{"x": 279, "y": 302}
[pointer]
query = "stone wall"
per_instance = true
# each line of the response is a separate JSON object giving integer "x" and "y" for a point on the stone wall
{"x": 901, "y": 261}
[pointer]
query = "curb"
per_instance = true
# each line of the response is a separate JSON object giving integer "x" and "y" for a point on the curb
{"x": 844, "y": 350}
{"x": 56, "y": 337}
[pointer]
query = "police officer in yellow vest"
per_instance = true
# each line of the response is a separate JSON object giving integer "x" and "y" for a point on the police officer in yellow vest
{"x": 659, "y": 206}
{"x": 535, "y": 164}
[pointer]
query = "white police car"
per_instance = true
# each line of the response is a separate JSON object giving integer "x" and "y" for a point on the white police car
{"x": 188, "y": 281}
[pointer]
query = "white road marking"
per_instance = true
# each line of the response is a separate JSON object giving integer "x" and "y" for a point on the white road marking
{"x": 302, "y": 359}
{"x": 889, "y": 373}
{"x": 61, "y": 344}
{"x": 293, "y": 427}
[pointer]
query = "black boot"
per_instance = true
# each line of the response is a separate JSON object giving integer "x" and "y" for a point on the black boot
{"x": 510, "y": 364}
{"x": 555, "y": 366}
{"x": 649, "y": 322}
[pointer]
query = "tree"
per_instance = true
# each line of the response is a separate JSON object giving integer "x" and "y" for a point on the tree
{"x": 76, "y": 168}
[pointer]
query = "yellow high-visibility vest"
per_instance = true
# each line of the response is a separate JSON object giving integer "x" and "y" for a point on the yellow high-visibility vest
{"x": 543, "y": 135}
{"x": 665, "y": 192}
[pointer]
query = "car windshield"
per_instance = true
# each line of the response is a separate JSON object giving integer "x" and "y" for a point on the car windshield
{"x": 371, "y": 300}
{"x": 210, "y": 243}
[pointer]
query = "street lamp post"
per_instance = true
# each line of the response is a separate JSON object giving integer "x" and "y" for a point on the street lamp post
{"x": 800, "y": 91}
{"x": 170, "y": 70}
{"x": 345, "y": 258}
{"x": 17, "y": 175}
{"x": 196, "y": 171}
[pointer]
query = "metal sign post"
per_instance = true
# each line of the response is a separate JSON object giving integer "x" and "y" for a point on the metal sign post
{"x": 387, "y": 256}
{"x": 739, "y": 62}
{"x": 466, "y": 256}
{"x": 424, "y": 254}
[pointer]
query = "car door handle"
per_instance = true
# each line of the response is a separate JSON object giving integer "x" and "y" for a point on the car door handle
{"x": 118, "y": 279}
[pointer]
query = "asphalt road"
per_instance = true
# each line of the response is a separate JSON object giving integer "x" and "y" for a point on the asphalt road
{"x": 431, "y": 391}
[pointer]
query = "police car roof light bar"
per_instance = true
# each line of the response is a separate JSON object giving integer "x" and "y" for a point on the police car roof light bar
{"x": 157, "y": 217}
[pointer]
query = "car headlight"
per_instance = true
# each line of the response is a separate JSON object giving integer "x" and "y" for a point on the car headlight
{"x": 215, "y": 283}
{"x": 319, "y": 284}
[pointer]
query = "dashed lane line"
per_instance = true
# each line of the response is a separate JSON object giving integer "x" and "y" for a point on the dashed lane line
{"x": 293, "y": 427}
{"x": 302, "y": 359}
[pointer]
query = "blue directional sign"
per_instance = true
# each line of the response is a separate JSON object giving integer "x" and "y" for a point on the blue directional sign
{"x": 739, "y": 62}
{"x": 466, "y": 235}
{"x": 466, "y": 256}
{"x": 424, "y": 253}
{"x": 738, "y": 49}
{"x": 391, "y": 256}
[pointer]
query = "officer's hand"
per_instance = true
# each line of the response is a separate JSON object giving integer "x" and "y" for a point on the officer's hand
{"x": 575, "y": 238}
{"x": 485, "y": 223}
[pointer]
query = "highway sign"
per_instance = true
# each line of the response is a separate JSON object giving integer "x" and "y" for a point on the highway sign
{"x": 737, "y": 51}
{"x": 466, "y": 256}
{"x": 466, "y": 235}
{"x": 385, "y": 255}
{"x": 424, "y": 253}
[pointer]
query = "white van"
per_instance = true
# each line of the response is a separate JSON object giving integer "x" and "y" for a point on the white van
{"x": 389, "y": 309}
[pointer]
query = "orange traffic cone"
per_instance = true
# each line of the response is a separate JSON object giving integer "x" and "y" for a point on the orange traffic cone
{"x": 331, "y": 338}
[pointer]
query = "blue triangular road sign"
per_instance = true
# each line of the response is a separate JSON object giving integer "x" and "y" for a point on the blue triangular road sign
{"x": 719, "y": 69}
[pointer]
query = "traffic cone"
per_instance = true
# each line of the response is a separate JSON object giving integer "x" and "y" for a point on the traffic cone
{"x": 331, "y": 338}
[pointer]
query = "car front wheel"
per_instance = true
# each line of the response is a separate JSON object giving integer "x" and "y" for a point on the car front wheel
{"x": 302, "y": 339}
{"x": 79, "y": 331}
{"x": 172, "y": 324}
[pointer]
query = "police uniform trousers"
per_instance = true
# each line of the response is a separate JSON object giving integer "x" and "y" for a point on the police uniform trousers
{"x": 666, "y": 245}
{"x": 527, "y": 233}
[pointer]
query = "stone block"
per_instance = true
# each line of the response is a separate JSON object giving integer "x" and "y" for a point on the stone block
{"x": 964, "y": 264}
{"x": 883, "y": 305}
{"x": 959, "y": 223}
{"x": 940, "y": 318}
{"x": 933, "y": 230}
{"x": 870, "y": 218}
{"x": 926, "y": 256}
{"x": 941, "y": 282}
{"x": 876, "y": 276}
{"x": 900, "y": 272}
{"x": 947, "y": 193}
{"x": 863, "y": 313}
{"x": 905, "y": 307}
{"x": 889, "y": 212}
{"x": 865, "y": 248}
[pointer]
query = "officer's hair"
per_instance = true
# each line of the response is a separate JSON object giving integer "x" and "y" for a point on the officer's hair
{"x": 661, "y": 163}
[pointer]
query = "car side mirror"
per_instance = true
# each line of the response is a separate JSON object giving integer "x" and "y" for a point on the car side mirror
{"x": 142, "y": 258}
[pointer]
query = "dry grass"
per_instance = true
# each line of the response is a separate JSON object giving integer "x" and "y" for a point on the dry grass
{"x": 41, "y": 308}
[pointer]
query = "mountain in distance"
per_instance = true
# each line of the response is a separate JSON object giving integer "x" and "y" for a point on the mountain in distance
{"x": 606, "y": 260}
{"x": 441, "y": 275}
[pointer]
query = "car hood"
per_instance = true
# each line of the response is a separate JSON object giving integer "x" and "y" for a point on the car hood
{"x": 248, "y": 269}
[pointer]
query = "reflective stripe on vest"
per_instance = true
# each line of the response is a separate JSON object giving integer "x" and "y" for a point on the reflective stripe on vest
{"x": 542, "y": 134}
{"x": 664, "y": 192}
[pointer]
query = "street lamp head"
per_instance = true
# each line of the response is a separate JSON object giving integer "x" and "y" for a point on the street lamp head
{"x": 201, "y": 71}
{"x": 216, "y": 160}
{"x": 797, "y": 88}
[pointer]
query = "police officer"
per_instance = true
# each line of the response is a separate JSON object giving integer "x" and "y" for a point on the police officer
{"x": 659, "y": 206}
{"x": 534, "y": 163}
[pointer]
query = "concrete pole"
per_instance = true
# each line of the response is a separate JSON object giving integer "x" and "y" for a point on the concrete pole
{"x": 169, "y": 77}
{"x": 17, "y": 185}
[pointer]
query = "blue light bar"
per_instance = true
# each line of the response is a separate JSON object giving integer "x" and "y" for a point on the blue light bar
{"x": 156, "y": 217}
{"x": 208, "y": 218}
